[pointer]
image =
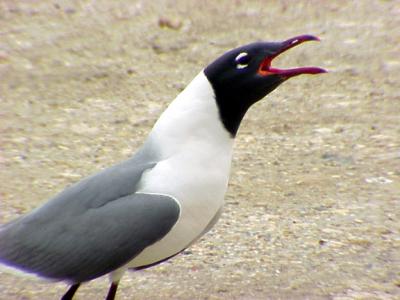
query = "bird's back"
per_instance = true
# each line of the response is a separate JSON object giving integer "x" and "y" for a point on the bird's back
{"x": 53, "y": 239}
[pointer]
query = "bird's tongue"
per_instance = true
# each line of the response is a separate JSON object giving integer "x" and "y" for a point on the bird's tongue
{"x": 265, "y": 69}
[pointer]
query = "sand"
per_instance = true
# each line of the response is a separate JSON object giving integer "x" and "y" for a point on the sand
{"x": 313, "y": 206}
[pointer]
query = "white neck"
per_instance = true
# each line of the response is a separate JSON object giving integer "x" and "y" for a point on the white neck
{"x": 191, "y": 144}
{"x": 193, "y": 117}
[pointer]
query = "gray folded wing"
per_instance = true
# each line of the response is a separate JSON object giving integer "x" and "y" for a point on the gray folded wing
{"x": 82, "y": 247}
{"x": 91, "y": 228}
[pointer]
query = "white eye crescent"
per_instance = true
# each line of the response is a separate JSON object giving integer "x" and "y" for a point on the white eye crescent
{"x": 242, "y": 60}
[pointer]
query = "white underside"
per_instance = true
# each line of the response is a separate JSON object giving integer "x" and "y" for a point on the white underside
{"x": 195, "y": 151}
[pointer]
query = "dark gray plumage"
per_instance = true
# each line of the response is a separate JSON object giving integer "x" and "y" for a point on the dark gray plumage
{"x": 91, "y": 228}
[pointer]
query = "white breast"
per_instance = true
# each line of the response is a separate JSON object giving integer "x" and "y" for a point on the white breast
{"x": 194, "y": 168}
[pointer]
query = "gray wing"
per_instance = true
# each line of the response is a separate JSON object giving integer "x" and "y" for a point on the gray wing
{"x": 92, "y": 227}
{"x": 82, "y": 247}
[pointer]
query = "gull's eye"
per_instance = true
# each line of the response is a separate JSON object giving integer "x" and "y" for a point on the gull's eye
{"x": 242, "y": 60}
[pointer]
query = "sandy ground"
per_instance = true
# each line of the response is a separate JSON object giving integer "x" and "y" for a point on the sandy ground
{"x": 313, "y": 206}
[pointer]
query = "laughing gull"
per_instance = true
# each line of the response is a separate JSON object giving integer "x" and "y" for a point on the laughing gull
{"x": 154, "y": 205}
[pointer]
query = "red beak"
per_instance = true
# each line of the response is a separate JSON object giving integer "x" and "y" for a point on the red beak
{"x": 265, "y": 68}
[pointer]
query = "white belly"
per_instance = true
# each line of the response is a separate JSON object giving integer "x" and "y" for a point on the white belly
{"x": 199, "y": 188}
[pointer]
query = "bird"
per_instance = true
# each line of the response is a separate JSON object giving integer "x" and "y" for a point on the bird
{"x": 157, "y": 203}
